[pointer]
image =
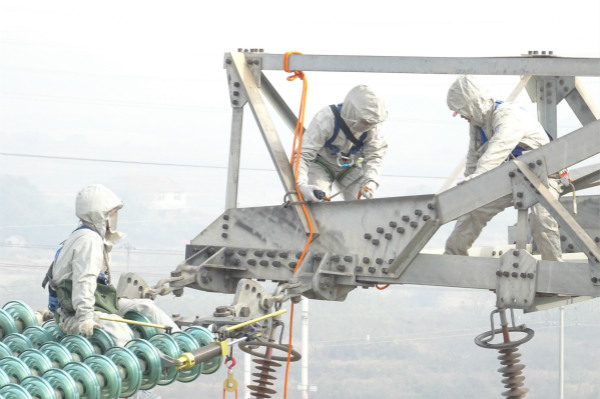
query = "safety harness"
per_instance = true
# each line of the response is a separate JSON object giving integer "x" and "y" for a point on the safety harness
{"x": 518, "y": 150}
{"x": 357, "y": 143}
{"x": 60, "y": 295}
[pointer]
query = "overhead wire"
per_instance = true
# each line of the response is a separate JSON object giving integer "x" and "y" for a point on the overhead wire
{"x": 59, "y": 157}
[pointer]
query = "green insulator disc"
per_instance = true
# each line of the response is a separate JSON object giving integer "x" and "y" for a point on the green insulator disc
{"x": 38, "y": 388}
{"x": 167, "y": 345}
{"x": 54, "y": 329}
{"x": 143, "y": 332}
{"x": 58, "y": 354}
{"x": 4, "y": 378}
{"x": 79, "y": 346}
{"x": 205, "y": 337}
{"x": 14, "y": 391}
{"x": 107, "y": 375}
{"x": 4, "y": 351}
{"x": 149, "y": 361}
{"x": 62, "y": 382}
{"x": 101, "y": 341}
{"x": 85, "y": 378}
{"x": 129, "y": 369}
{"x": 23, "y": 315}
{"x": 7, "y": 324}
{"x": 17, "y": 343}
{"x": 15, "y": 369}
{"x": 187, "y": 343}
{"x": 37, "y": 335}
{"x": 36, "y": 360}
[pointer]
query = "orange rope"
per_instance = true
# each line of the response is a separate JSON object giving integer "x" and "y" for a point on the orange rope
{"x": 381, "y": 287}
{"x": 295, "y": 161}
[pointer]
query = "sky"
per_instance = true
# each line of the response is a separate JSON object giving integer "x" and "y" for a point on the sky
{"x": 143, "y": 82}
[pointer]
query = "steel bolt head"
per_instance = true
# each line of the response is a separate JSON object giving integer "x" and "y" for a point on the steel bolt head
{"x": 516, "y": 265}
{"x": 516, "y": 252}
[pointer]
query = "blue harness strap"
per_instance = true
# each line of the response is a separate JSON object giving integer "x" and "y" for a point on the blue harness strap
{"x": 52, "y": 296}
{"x": 340, "y": 124}
{"x": 518, "y": 150}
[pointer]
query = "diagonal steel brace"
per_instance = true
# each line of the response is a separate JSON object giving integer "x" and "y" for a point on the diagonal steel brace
{"x": 566, "y": 221}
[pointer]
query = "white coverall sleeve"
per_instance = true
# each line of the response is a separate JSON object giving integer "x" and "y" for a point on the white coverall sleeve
{"x": 374, "y": 151}
{"x": 87, "y": 263}
{"x": 472, "y": 155}
{"x": 508, "y": 133}
{"x": 314, "y": 139}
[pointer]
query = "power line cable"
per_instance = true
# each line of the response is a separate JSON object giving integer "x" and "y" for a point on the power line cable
{"x": 10, "y": 154}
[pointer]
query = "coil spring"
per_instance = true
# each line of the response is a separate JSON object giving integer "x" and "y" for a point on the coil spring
{"x": 264, "y": 379}
{"x": 509, "y": 353}
{"x": 265, "y": 363}
{"x": 512, "y": 371}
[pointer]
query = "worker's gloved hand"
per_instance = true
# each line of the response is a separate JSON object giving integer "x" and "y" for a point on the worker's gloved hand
{"x": 312, "y": 193}
{"x": 367, "y": 190}
{"x": 87, "y": 327}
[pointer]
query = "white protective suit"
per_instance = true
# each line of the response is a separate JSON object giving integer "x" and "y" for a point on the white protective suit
{"x": 84, "y": 255}
{"x": 505, "y": 127}
{"x": 319, "y": 168}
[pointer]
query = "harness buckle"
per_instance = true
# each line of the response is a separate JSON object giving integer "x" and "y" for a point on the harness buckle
{"x": 345, "y": 160}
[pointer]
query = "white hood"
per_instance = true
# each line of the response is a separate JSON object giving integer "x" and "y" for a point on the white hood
{"x": 93, "y": 204}
{"x": 467, "y": 98}
{"x": 362, "y": 109}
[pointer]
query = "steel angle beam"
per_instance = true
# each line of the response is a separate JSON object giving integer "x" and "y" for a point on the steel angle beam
{"x": 551, "y": 278}
{"x": 582, "y": 105}
{"x": 269, "y": 133}
{"x": 585, "y": 176}
{"x": 566, "y": 221}
{"x": 235, "y": 151}
{"x": 524, "y": 65}
{"x": 377, "y": 228}
{"x": 483, "y": 189}
{"x": 278, "y": 103}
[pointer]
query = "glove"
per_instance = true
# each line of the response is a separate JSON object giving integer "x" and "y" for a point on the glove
{"x": 87, "y": 327}
{"x": 367, "y": 190}
{"x": 312, "y": 193}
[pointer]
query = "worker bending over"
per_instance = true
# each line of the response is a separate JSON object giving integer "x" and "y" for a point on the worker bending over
{"x": 498, "y": 132}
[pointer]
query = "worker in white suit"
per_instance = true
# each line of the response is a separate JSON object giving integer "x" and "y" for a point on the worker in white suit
{"x": 344, "y": 146}
{"x": 498, "y": 132}
{"x": 80, "y": 274}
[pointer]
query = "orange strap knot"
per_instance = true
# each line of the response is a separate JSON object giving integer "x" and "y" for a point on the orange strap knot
{"x": 296, "y": 74}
